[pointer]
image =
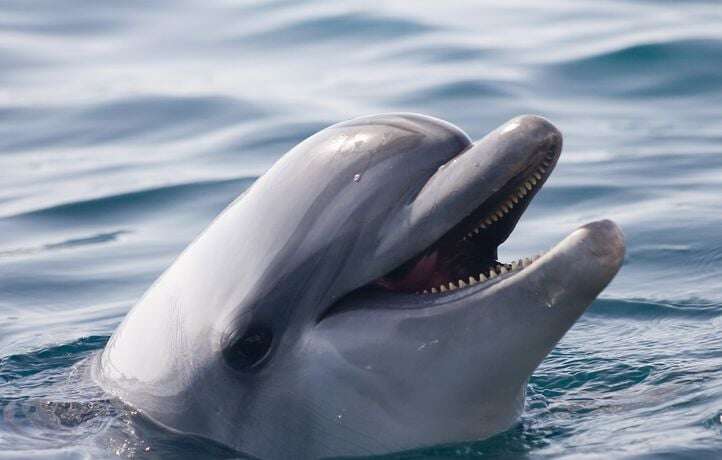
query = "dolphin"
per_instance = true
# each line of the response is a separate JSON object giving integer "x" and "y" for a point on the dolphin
{"x": 351, "y": 301}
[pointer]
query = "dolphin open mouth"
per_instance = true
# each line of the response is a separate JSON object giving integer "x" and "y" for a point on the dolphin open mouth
{"x": 466, "y": 254}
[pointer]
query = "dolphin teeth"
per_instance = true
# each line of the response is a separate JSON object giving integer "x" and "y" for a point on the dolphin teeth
{"x": 487, "y": 221}
{"x": 452, "y": 286}
{"x": 514, "y": 199}
{"x": 442, "y": 288}
{"x": 476, "y": 230}
{"x": 499, "y": 214}
{"x": 434, "y": 290}
{"x": 462, "y": 284}
{"x": 482, "y": 277}
{"x": 509, "y": 204}
{"x": 483, "y": 225}
{"x": 492, "y": 274}
{"x": 472, "y": 281}
{"x": 528, "y": 185}
{"x": 537, "y": 175}
{"x": 514, "y": 265}
{"x": 425, "y": 291}
{"x": 504, "y": 207}
{"x": 504, "y": 270}
{"x": 533, "y": 181}
{"x": 494, "y": 218}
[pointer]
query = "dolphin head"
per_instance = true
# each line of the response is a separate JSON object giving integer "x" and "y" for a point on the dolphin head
{"x": 351, "y": 301}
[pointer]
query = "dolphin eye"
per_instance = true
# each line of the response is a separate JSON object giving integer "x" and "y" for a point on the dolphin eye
{"x": 249, "y": 352}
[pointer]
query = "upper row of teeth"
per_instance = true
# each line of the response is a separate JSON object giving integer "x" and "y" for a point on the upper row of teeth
{"x": 515, "y": 197}
{"x": 493, "y": 273}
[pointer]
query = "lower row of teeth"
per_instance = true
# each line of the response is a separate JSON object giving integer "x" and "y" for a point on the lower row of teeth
{"x": 495, "y": 271}
{"x": 515, "y": 197}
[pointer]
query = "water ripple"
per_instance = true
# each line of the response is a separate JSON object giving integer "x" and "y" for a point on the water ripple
{"x": 133, "y": 203}
{"x": 657, "y": 70}
{"x": 336, "y": 27}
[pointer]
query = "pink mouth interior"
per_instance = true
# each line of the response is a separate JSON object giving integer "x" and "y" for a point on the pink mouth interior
{"x": 426, "y": 271}
{"x": 446, "y": 261}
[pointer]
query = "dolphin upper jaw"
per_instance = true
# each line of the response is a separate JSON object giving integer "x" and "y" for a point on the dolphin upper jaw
{"x": 467, "y": 180}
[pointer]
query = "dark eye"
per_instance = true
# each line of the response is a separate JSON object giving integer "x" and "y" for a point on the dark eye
{"x": 249, "y": 352}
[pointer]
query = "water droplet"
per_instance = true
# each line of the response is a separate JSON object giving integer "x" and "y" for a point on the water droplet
{"x": 357, "y": 177}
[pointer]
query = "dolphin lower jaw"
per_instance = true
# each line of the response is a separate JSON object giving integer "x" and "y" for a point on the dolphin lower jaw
{"x": 492, "y": 334}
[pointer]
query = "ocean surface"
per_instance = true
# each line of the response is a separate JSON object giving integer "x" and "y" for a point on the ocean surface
{"x": 125, "y": 127}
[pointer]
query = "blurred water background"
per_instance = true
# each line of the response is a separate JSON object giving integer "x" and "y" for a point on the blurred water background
{"x": 125, "y": 127}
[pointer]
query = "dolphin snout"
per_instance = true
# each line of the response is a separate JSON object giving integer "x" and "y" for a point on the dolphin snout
{"x": 605, "y": 241}
{"x": 533, "y": 125}
{"x": 531, "y": 134}
{"x": 578, "y": 268}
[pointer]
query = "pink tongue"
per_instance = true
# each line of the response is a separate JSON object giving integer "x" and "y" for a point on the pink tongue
{"x": 424, "y": 274}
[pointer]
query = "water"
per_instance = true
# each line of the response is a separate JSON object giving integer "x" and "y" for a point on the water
{"x": 125, "y": 127}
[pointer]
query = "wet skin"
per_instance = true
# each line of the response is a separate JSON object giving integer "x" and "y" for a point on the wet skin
{"x": 351, "y": 301}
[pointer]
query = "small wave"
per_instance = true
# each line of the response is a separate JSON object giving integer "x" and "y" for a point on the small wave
{"x": 661, "y": 69}
{"x": 641, "y": 310}
{"x": 68, "y": 26}
{"x": 461, "y": 89}
{"x": 438, "y": 54}
{"x": 279, "y": 136}
{"x": 135, "y": 203}
{"x": 687, "y": 453}
{"x": 581, "y": 195}
{"x": 338, "y": 27}
{"x": 139, "y": 118}
{"x": 99, "y": 238}
{"x": 14, "y": 63}
{"x": 60, "y": 356}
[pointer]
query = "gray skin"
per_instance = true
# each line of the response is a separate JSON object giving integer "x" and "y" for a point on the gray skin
{"x": 355, "y": 372}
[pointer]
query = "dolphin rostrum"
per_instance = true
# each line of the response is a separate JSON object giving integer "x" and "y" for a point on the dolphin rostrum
{"x": 350, "y": 302}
